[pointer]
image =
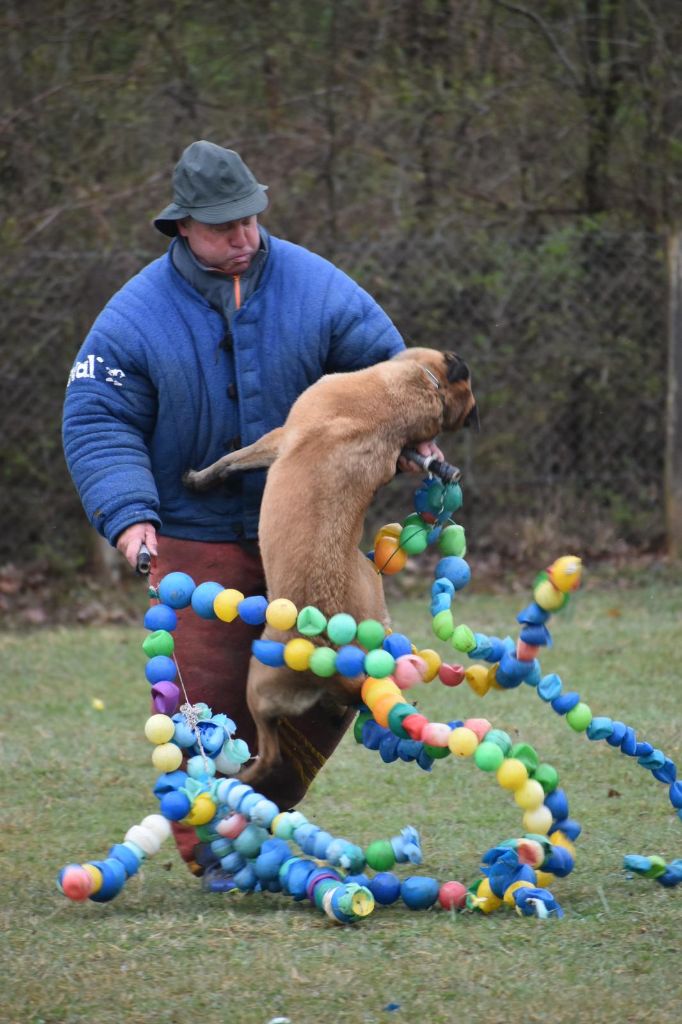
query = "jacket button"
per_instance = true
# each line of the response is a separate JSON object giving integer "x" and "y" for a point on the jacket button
{"x": 232, "y": 391}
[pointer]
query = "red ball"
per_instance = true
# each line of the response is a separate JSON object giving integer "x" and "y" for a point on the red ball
{"x": 452, "y": 896}
{"x": 414, "y": 725}
{"x": 451, "y": 675}
{"x": 76, "y": 884}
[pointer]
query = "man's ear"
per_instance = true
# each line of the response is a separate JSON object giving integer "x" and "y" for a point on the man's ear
{"x": 455, "y": 368}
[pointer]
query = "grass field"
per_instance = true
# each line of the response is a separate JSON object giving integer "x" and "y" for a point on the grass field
{"x": 75, "y": 779}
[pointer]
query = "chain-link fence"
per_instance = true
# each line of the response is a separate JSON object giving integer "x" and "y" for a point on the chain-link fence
{"x": 565, "y": 333}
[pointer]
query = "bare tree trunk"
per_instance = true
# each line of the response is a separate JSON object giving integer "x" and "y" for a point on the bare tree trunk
{"x": 673, "y": 452}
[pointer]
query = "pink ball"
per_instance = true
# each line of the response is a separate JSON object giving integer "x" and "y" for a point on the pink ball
{"x": 232, "y": 827}
{"x": 480, "y": 726}
{"x": 436, "y": 734}
{"x": 452, "y": 896}
{"x": 76, "y": 884}
{"x": 451, "y": 675}
{"x": 409, "y": 670}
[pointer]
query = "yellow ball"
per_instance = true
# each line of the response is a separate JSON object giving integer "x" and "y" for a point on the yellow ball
{"x": 389, "y": 530}
{"x": 566, "y": 572}
{"x": 281, "y": 614}
{"x": 203, "y": 810}
{"x": 509, "y": 893}
{"x": 463, "y": 741}
{"x": 559, "y": 839}
{"x": 433, "y": 662}
{"x": 486, "y": 900}
{"x": 96, "y": 876}
{"x": 530, "y": 795}
{"x": 538, "y": 821}
{"x": 548, "y": 597}
{"x": 297, "y": 653}
{"x": 166, "y": 757}
{"x": 97, "y": 704}
{"x": 225, "y": 604}
{"x": 512, "y": 774}
{"x": 478, "y": 678}
{"x": 544, "y": 879}
{"x": 159, "y": 729}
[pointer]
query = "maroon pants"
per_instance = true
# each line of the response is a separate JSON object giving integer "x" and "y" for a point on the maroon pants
{"x": 213, "y": 657}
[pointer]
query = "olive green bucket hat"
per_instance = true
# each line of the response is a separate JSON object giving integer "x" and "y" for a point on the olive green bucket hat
{"x": 212, "y": 185}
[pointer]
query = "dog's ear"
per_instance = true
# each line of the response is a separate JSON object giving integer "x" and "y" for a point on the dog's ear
{"x": 455, "y": 368}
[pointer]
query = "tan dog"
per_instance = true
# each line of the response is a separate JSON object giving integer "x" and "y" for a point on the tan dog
{"x": 340, "y": 443}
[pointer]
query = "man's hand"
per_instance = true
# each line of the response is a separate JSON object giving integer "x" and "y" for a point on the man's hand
{"x": 130, "y": 541}
{"x": 425, "y": 448}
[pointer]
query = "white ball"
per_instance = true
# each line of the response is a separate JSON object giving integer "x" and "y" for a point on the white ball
{"x": 145, "y": 839}
{"x": 157, "y": 824}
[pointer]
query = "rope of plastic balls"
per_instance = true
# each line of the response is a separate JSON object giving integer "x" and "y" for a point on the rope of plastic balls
{"x": 235, "y": 820}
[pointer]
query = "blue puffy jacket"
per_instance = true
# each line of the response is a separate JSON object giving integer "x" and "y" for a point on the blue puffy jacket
{"x": 157, "y": 387}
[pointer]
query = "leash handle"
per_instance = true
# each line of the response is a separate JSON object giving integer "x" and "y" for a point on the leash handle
{"x": 436, "y": 467}
{"x": 144, "y": 561}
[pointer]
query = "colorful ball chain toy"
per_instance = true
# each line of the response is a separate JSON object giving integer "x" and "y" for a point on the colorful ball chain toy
{"x": 251, "y": 836}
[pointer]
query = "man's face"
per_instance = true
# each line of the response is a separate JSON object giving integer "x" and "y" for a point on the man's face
{"x": 228, "y": 247}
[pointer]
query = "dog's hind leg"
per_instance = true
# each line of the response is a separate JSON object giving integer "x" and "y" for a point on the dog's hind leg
{"x": 259, "y": 455}
{"x": 273, "y": 693}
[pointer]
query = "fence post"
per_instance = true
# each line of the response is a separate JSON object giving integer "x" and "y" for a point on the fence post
{"x": 673, "y": 446}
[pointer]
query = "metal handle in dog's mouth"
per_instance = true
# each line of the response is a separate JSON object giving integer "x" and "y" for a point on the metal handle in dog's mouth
{"x": 447, "y": 473}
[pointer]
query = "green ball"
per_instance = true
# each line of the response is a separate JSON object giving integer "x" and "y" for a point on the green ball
{"x": 501, "y": 739}
{"x": 443, "y": 624}
{"x": 526, "y": 754}
{"x": 657, "y": 867}
{"x": 414, "y": 539}
{"x": 547, "y": 776}
{"x": 414, "y": 519}
{"x": 360, "y": 720}
{"x": 370, "y": 634}
{"x": 463, "y": 639}
{"x": 395, "y": 719}
{"x": 158, "y": 642}
{"x": 579, "y": 717}
{"x": 310, "y": 621}
{"x": 380, "y": 856}
{"x": 206, "y": 833}
{"x": 436, "y": 752}
{"x": 323, "y": 662}
{"x": 452, "y": 541}
{"x": 341, "y": 629}
{"x": 488, "y": 756}
{"x": 452, "y": 498}
{"x": 435, "y": 495}
{"x": 379, "y": 663}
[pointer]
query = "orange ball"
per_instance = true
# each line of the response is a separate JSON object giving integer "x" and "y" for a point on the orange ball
{"x": 373, "y": 689}
{"x": 389, "y": 557}
{"x": 383, "y": 706}
{"x": 389, "y": 530}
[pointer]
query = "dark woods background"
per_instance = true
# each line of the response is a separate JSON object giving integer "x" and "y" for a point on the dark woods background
{"x": 503, "y": 177}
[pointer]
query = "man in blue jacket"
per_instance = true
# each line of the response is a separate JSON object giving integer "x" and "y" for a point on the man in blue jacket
{"x": 202, "y": 352}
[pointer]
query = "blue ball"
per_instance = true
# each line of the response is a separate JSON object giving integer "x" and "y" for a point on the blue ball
{"x": 268, "y": 652}
{"x": 397, "y": 644}
{"x": 419, "y": 893}
{"x": 113, "y": 879}
{"x": 385, "y": 887}
{"x": 160, "y": 668}
{"x": 176, "y": 589}
{"x": 175, "y": 805}
{"x": 203, "y": 597}
{"x": 557, "y": 803}
{"x": 454, "y": 569}
{"x": 565, "y": 702}
{"x": 125, "y": 855}
{"x": 350, "y": 661}
{"x": 252, "y": 610}
{"x": 169, "y": 782}
{"x": 160, "y": 616}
